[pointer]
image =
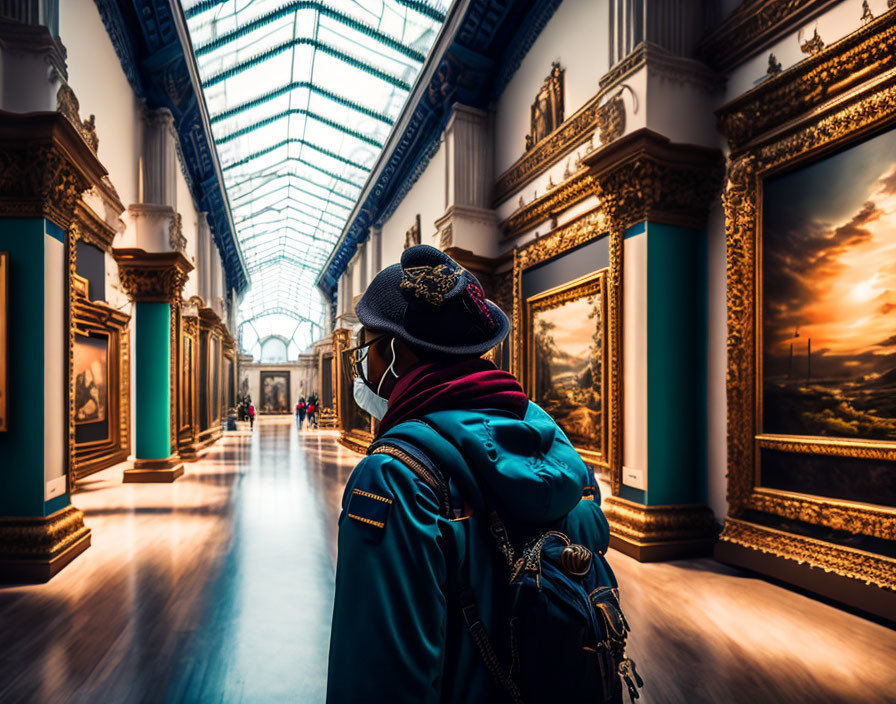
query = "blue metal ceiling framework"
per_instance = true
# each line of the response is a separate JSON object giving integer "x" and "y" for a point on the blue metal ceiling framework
{"x": 301, "y": 97}
{"x": 150, "y": 48}
{"x": 483, "y": 44}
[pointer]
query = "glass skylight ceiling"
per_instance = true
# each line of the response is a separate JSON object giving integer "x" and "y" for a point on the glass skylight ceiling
{"x": 301, "y": 98}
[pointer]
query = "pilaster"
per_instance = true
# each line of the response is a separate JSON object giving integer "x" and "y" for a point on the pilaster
{"x": 160, "y": 158}
{"x": 154, "y": 281}
{"x": 45, "y": 167}
{"x": 656, "y": 195}
{"x": 32, "y": 59}
{"x": 469, "y": 222}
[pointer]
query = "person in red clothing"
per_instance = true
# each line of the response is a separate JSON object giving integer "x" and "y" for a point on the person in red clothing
{"x": 301, "y": 409}
{"x": 251, "y": 416}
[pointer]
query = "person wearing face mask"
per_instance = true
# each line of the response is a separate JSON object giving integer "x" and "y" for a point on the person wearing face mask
{"x": 398, "y": 632}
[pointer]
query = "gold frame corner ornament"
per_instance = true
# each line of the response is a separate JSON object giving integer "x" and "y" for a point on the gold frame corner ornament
{"x": 844, "y": 93}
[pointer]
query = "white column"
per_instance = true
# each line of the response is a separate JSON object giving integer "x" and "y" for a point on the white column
{"x": 159, "y": 158}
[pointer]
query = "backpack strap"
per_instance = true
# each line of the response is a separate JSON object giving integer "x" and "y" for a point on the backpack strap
{"x": 420, "y": 463}
{"x": 417, "y": 461}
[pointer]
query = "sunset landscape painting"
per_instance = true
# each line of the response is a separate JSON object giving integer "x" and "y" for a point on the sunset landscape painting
{"x": 567, "y": 351}
{"x": 829, "y": 296}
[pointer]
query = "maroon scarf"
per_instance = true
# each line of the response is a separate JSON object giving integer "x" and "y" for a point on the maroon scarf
{"x": 440, "y": 386}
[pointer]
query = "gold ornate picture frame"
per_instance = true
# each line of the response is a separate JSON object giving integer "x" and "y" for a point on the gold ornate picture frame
{"x": 589, "y": 227}
{"x": 567, "y": 360}
{"x": 830, "y": 102}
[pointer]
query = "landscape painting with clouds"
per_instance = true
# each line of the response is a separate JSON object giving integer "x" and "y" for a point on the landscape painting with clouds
{"x": 829, "y": 296}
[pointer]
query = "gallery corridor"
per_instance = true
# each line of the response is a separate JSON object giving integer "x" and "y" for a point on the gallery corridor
{"x": 218, "y": 588}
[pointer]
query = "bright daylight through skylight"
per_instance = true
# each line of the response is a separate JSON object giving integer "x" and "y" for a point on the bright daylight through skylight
{"x": 301, "y": 98}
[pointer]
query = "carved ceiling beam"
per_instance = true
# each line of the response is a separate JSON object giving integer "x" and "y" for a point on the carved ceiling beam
{"x": 644, "y": 176}
{"x": 45, "y": 166}
{"x": 152, "y": 276}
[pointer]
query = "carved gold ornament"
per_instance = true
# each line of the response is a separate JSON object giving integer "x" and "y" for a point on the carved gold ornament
{"x": 609, "y": 119}
{"x": 863, "y": 566}
{"x": 67, "y": 104}
{"x": 847, "y": 90}
{"x": 151, "y": 276}
{"x": 753, "y": 26}
{"x": 642, "y": 523}
{"x": 795, "y": 93}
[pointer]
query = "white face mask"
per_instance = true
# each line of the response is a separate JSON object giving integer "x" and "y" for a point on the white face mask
{"x": 365, "y": 397}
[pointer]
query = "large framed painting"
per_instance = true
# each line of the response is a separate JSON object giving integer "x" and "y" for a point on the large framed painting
{"x": 827, "y": 320}
{"x": 91, "y": 369}
{"x": 567, "y": 360}
{"x": 4, "y": 312}
{"x": 274, "y": 392}
{"x": 811, "y": 273}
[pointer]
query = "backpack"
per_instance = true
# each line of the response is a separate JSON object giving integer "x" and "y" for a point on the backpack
{"x": 566, "y": 632}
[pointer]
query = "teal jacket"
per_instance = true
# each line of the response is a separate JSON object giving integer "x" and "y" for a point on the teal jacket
{"x": 398, "y": 635}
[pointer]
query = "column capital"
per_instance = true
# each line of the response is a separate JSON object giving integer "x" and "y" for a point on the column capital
{"x": 645, "y": 176}
{"x": 152, "y": 276}
{"x": 47, "y": 165}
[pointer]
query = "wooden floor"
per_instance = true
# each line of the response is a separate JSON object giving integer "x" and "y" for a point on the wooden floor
{"x": 219, "y": 587}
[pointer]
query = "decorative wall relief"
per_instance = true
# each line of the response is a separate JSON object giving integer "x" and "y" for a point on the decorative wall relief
{"x": 547, "y": 110}
{"x": 567, "y": 360}
{"x": 412, "y": 236}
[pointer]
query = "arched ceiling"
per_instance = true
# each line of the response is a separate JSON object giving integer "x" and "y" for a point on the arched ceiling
{"x": 301, "y": 97}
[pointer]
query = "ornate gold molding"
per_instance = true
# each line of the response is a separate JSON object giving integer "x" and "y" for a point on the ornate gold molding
{"x": 753, "y": 26}
{"x": 89, "y": 227}
{"x": 855, "y": 564}
{"x": 45, "y": 166}
{"x": 644, "y": 176}
{"x": 583, "y": 229}
{"x": 834, "y": 447}
{"x": 875, "y": 521}
{"x": 152, "y": 276}
{"x": 42, "y": 537}
{"x": 654, "y": 524}
{"x": 549, "y": 205}
{"x": 608, "y": 119}
{"x": 341, "y": 337}
{"x": 740, "y": 204}
{"x": 586, "y": 228}
{"x": 797, "y": 92}
{"x": 846, "y": 92}
{"x": 67, "y": 104}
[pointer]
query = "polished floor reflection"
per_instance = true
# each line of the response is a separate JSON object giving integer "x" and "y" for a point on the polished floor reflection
{"x": 218, "y": 588}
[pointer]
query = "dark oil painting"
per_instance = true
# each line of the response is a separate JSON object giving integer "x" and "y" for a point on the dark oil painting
{"x": 568, "y": 360}
{"x": 91, "y": 382}
{"x": 275, "y": 392}
{"x": 829, "y": 296}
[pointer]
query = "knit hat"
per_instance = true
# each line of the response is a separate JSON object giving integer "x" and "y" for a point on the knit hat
{"x": 433, "y": 304}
